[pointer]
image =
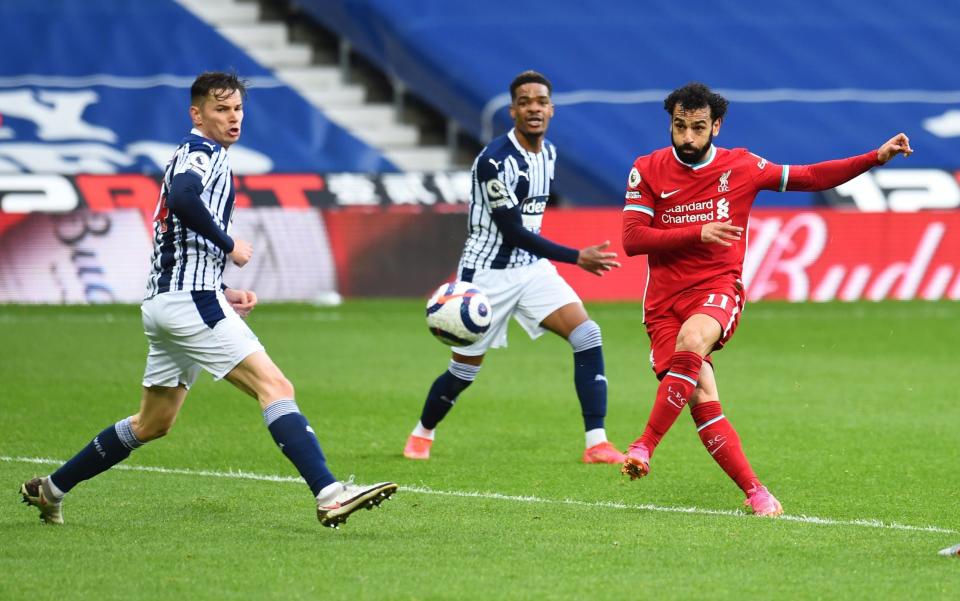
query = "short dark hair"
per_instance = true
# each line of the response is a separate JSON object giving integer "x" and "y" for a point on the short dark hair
{"x": 529, "y": 77}
{"x": 216, "y": 81}
{"x": 696, "y": 95}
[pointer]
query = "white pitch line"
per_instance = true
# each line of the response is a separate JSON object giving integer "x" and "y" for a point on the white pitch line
{"x": 242, "y": 475}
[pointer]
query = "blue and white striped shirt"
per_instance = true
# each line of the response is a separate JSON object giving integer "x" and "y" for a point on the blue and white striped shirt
{"x": 506, "y": 175}
{"x": 183, "y": 259}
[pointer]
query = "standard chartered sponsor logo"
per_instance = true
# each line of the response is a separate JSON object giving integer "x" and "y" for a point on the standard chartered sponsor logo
{"x": 690, "y": 218}
{"x": 692, "y": 206}
{"x": 691, "y": 212}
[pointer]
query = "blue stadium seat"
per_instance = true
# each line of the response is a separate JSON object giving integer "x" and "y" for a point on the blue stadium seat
{"x": 808, "y": 81}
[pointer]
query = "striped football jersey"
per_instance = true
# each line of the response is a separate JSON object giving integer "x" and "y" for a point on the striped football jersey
{"x": 505, "y": 175}
{"x": 183, "y": 259}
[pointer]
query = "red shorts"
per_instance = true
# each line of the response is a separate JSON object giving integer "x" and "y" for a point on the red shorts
{"x": 724, "y": 303}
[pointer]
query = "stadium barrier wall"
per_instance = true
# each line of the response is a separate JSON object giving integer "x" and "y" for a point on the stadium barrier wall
{"x": 87, "y": 239}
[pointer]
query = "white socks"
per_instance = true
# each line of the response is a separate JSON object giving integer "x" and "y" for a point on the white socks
{"x": 596, "y": 436}
{"x": 328, "y": 493}
{"x": 423, "y": 432}
{"x": 50, "y": 490}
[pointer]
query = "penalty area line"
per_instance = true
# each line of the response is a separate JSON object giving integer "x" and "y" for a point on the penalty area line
{"x": 244, "y": 475}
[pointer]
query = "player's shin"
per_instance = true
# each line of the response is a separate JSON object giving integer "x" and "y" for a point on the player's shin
{"x": 590, "y": 379}
{"x": 297, "y": 440}
{"x": 674, "y": 392}
{"x": 107, "y": 449}
{"x": 723, "y": 444}
{"x": 443, "y": 394}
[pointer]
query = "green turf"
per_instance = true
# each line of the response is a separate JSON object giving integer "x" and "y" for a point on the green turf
{"x": 848, "y": 412}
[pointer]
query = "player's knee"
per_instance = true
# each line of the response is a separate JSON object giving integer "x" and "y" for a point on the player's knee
{"x": 702, "y": 396}
{"x": 692, "y": 341}
{"x": 151, "y": 429}
{"x": 159, "y": 431}
{"x": 585, "y": 336}
{"x": 276, "y": 386}
{"x": 463, "y": 376}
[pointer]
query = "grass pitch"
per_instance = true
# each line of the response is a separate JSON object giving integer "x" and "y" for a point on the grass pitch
{"x": 848, "y": 413}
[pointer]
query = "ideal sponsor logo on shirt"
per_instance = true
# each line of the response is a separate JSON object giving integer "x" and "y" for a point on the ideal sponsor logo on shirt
{"x": 534, "y": 206}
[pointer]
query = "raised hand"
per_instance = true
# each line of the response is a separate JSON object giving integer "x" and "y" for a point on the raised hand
{"x": 898, "y": 144}
{"x": 595, "y": 260}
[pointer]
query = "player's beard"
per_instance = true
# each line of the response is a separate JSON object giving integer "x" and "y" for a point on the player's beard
{"x": 692, "y": 155}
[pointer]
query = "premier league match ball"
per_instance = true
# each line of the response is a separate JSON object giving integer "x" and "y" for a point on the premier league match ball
{"x": 458, "y": 314}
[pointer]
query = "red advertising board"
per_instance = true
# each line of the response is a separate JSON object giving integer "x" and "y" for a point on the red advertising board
{"x": 356, "y": 249}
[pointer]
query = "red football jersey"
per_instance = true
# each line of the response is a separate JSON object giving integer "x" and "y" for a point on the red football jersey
{"x": 677, "y": 195}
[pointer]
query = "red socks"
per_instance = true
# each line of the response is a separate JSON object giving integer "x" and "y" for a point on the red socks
{"x": 723, "y": 444}
{"x": 716, "y": 433}
{"x": 675, "y": 390}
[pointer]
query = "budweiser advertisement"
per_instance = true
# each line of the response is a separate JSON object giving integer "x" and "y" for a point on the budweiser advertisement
{"x": 798, "y": 256}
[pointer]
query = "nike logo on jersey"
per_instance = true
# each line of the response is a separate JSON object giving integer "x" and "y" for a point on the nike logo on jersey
{"x": 668, "y": 194}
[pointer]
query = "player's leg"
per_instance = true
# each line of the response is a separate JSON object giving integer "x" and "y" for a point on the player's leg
{"x": 159, "y": 407}
{"x": 572, "y": 323}
{"x": 503, "y": 288}
{"x": 722, "y": 442}
{"x": 695, "y": 339}
{"x": 224, "y": 345}
{"x": 442, "y": 396}
{"x": 158, "y": 410}
{"x": 259, "y": 376}
{"x": 167, "y": 377}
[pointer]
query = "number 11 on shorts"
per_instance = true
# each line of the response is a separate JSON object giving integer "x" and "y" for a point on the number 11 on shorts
{"x": 712, "y": 301}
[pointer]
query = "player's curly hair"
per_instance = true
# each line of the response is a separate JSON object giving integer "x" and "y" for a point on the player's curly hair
{"x": 696, "y": 95}
{"x": 529, "y": 77}
{"x": 221, "y": 83}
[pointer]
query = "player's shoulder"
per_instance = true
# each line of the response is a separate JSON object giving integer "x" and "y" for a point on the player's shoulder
{"x": 498, "y": 148}
{"x": 196, "y": 143}
{"x": 649, "y": 166}
{"x": 740, "y": 157}
{"x": 643, "y": 168}
{"x": 653, "y": 159}
{"x": 493, "y": 156}
{"x": 197, "y": 154}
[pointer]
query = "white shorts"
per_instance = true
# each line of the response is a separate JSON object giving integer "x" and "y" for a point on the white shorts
{"x": 181, "y": 341}
{"x": 528, "y": 294}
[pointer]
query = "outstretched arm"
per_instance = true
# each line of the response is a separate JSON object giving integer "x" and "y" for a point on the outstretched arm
{"x": 829, "y": 174}
{"x": 592, "y": 258}
{"x": 510, "y": 223}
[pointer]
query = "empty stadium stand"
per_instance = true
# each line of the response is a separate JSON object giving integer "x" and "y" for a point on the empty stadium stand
{"x": 808, "y": 81}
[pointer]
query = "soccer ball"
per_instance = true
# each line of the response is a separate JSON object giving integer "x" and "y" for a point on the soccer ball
{"x": 458, "y": 314}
